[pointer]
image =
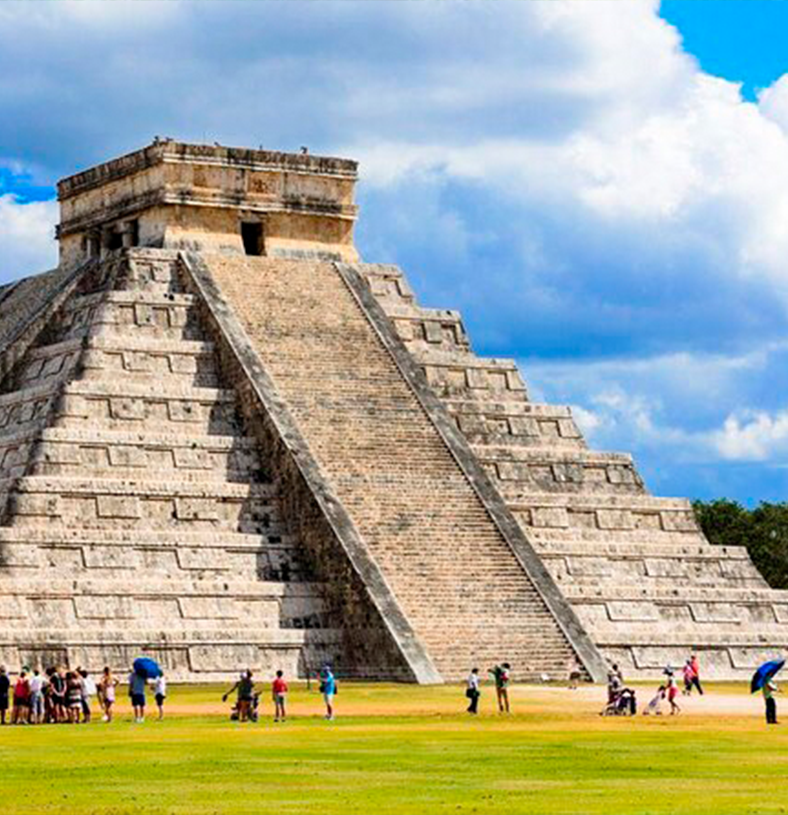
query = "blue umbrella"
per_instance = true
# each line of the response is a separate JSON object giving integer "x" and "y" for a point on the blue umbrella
{"x": 765, "y": 673}
{"x": 147, "y": 667}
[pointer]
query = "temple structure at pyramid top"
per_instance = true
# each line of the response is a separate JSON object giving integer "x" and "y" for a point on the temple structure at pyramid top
{"x": 210, "y": 199}
{"x": 227, "y": 443}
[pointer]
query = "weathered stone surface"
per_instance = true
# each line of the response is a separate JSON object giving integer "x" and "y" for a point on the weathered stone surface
{"x": 269, "y": 463}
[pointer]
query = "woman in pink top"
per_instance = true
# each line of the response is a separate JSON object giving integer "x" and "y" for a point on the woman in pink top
{"x": 279, "y": 692}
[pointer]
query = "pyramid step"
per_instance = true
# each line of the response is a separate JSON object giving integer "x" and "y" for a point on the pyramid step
{"x": 140, "y": 503}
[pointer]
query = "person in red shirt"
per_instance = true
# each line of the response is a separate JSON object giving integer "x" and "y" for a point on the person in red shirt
{"x": 21, "y": 699}
{"x": 279, "y": 692}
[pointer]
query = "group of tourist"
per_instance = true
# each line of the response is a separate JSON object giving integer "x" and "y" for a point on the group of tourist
{"x": 501, "y": 679}
{"x": 64, "y": 696}
{"x": 247, "y": 704}
{"x": 622, "y": 700}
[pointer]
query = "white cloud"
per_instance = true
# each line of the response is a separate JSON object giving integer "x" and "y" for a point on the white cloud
{"x": 27, "y": 244}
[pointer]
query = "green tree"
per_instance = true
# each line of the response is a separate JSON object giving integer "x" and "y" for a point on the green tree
{"x": 763, "y": 530}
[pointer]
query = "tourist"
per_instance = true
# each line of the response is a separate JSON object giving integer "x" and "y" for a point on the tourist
{"x": 654, "y": 706}
{"x": 74, "y": 696}
{"x": 500, "y": 675}
{"x": 21, "y": 698}
{"x": 687, "y": 674}
{"x": 615, "y": 681}
{"x": 107, "y": 685}
{"x": 769, "y": 689}
{"x": 574, "y": 675}
{"x": 160, "y": 692}
{"x": 472, "y": 691}
{"x": 137, "y": 685}
{"x": 57, "y": 681}
{"x": 673, "y": 692}
{"x": 279, "y": 693}
{"x": 696, "y": 673}
{"x": 328, "y": 687}
{"x": 37, "y": 684}
{"x": 88, "y": 692}
{"x": 245, "y": 687}
{"x": 5, "y": 687}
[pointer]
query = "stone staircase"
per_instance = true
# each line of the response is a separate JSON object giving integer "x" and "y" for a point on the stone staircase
{"x": 447, "y": 564}
{"x": 645, "y": 583}
{"x": 138, "y": 514}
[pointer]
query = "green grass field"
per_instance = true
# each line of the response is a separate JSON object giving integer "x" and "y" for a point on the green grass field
{"x": 399, "y": 749}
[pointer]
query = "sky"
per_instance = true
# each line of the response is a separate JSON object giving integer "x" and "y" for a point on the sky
{"x": 601, "y": 188}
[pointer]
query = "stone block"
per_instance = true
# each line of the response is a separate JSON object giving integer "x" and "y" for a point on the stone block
{"x": 553, "y": 517}
{"x": 614, "y": 519}
{"x": 196, "y": 509}
{"x": 110, "y": 557}
{"x": 634, "y": 611}
{"x": 117, "y": 506}
{"x": 13, "y": 607}
{"x": 716, "y": 612}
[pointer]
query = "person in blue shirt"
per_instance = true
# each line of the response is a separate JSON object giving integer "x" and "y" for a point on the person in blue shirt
{"x": 328, "y": 687}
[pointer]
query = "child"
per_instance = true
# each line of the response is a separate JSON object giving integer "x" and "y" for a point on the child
{"x": 160, "y": 691}
{"x": 673, "y": 692}
{"x": 107, "y": 684}
{"x": 279, "y": 692}
{"x": 653, "y": 706}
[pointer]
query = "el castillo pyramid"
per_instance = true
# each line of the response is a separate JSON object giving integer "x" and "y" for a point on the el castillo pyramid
{"x": 228, "y": 443}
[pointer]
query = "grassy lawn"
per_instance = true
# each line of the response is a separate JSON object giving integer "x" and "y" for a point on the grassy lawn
{"x": 397, "y": 749}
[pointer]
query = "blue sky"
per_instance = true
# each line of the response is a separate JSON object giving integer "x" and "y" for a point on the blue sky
{"x": 601, "y": 188}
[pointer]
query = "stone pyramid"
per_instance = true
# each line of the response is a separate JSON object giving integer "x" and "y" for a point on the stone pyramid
{"x": 227, "y": 443}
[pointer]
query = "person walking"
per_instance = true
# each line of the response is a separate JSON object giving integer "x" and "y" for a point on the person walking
{"x": 279, "y": 693}
{"x": 695, "y": 680}
{"x": 768, "y": 690}
{"x": 472, "y": 691}
{"x": 687, "y": 673}
{"x": 107, "y": 683}
{"x": 137, "y": 686}
{"x": 160, "y": 692}
{"x": 328, "y": 687}
{"x": 673, "y": 692}
{"x": 500, "y": 674}
{"x": 5, "y": 688}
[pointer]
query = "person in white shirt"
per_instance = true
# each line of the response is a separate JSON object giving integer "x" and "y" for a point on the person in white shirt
{"x": 37, "y": 683}
{"x": 88, "y": 692}
{"x": 472, "y": 692}
{"x": 160, "y": 691}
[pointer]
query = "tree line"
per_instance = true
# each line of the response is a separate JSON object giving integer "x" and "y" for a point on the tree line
{"x": 763, "y": 530}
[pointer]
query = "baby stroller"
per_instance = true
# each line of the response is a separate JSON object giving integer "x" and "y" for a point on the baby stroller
{"x": 622, "y": 703}
{"x": 254, "y": 713}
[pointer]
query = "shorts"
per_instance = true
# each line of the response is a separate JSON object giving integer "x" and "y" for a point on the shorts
{"x": 672, "y": 693}
{"x": 328, "y": 698}
{"x": 160, "y": 697}
{"x": 3, "y": 703}
{"x": 21, "y": 702}
{"x": 279, "y": 698}
{"x": 138, "y": 700}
